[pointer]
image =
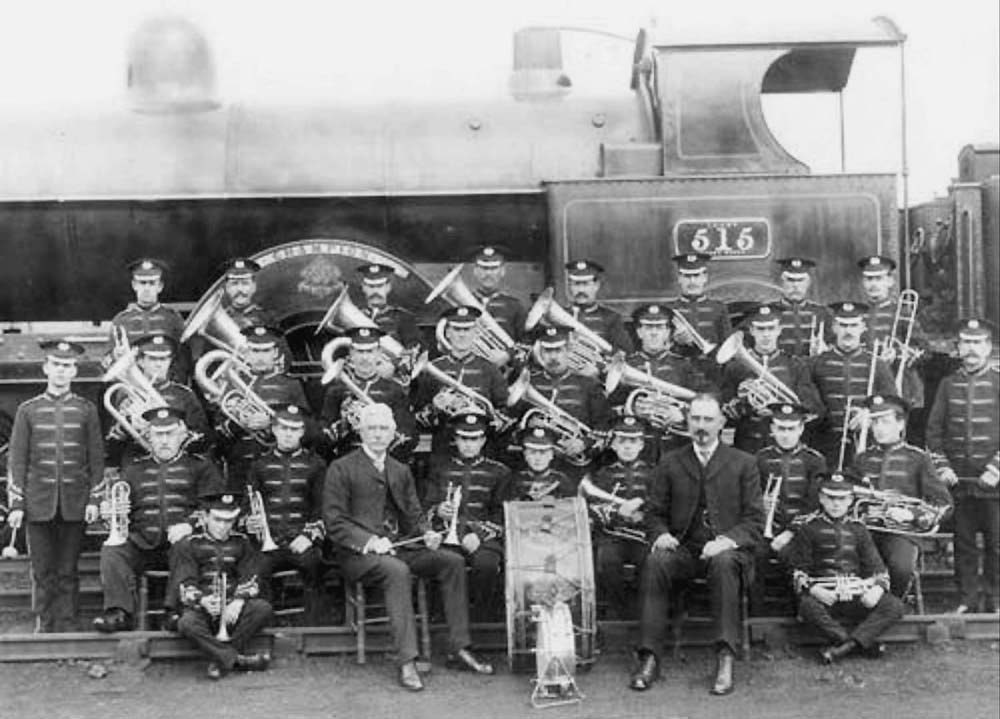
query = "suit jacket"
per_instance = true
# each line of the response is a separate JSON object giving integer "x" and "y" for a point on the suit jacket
{"x": 355, "y": 496}
{"x": 732, "y": 495}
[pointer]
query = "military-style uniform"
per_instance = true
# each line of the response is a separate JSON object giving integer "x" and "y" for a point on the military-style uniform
{"x": 800, "y": 469}
{"x": 908, "y": 470}
{"x": 483, "y": 482}
{"x": 397, "y": 322}
{"x": 605, "y": 322}
{"x": 379, "y": 389}
{"x": 506, "y": 309}
{"x": 752, "y": 430}
{"x": 962, "y": 433}
{"x": 798, "y": 320}
{"x": 531, "y": 486}
{"x": 710, "y": 318}
{"x": 879, "y": 325}
{"x": 162, "y": 494}
{"x": 199, "y": 562}
{"x": 56, "y": 464}
{"x": 141, "y": 321}
{"x": 827, "y": 547}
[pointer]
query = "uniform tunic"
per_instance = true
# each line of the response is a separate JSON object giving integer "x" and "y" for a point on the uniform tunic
{"x": 506, "y": 310}
{"x": 605, "y": 322}
{"x": 797, "y": 322}
{"x": 799, "y": 469}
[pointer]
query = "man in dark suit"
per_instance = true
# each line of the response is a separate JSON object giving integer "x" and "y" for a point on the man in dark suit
{"x": 369, "y": 502}
{"x": 706, "y": 515}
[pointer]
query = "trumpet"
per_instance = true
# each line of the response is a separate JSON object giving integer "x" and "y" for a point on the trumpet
{"x": 219, "y": 589}
{"x": 872, "y": 507}
{"x": 229, "y": 387}
{"x": 545, "y": 413}
{"x": 652, "y": 399}
{"x": 133, "y": 390}
{"x": 817, "y": 344}
{"x": 456, "y": 398}
{"x": 765, "y": 388}
{"x": 119, "y": 504}
{"x": 258, "y": 511}
{"x": 491, "y": 340}
{"x": 772, "y": 495}
{"x": 588, "y": 352}
{"x": 211, "y": 321}
{"x": 605, "y": 512}
{"x": 681, "y": 324}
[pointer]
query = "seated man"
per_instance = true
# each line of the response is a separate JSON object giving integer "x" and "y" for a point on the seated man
{"x": 840, "y": 576}
{"x": 216, "y": 572}
{"x": 369, "y": 501}
{"x": 537, "y": 480}
{"x": 163, "y": 502}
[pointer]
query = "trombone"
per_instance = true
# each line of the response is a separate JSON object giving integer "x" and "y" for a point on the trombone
{"x": 588, "y": 352}
{"x": 905, "y": 317}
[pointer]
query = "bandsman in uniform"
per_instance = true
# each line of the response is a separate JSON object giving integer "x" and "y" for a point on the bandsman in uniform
{"x": 341, "y": 408}
{"x": 583, "y": 283}
{"x": 369, "y": 504}
{"x": 146, "y": 316}
{"x": 803, "y": 322}
{"x": 55, "y": 464}
{"x": 708, "y": 317}
{"x": 878, "y": 282}
{"x": 431, "y": 397}
{"x": 376, "y": 284}
{"x": 753, "y": 420}
{"x": 842, "y": 375}
{"x": 892, "y": 464}
{"x": 163, "y": 508}
{"x": 483, "y": 483}
{"x": 290, "y": 481}
{"x": 852, "y": 581}
{"x": 963, "y": 435}
{"x": 619, "y": 530}
{"x": 239, "y": 294}
{"x": 537, "y": 480}
{"x": 216, "y": 571}
{"x": 488, "y": 270}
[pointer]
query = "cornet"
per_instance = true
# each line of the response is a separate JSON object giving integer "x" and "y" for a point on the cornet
{"x": 229, "y": 387}
{"x": 133, "y": 389}
{"x": 817, "y": 344}
{"x": 681, "y": 324}
{"x": 845, "y": 586}
{"x": 453, "y": 497}
{"x": 258, "y": 511}
{"x": 765, "y": 388}
{"x": 588, "y": 352}
{"x": 652, "y": 399}
{"x": 491, "y": 339}
{"x": 219, "y": 590}
{"x": 456, "y": 398}
{"x": 119, "y": 505}
{"x": 772, "y": 496}
{"x": 211, "y": 321}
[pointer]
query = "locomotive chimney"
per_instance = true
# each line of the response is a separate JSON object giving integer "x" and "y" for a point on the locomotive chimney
{"x": 538, "y": 70}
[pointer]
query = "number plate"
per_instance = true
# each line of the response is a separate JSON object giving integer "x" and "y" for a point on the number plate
{"x": 724, "y": 239}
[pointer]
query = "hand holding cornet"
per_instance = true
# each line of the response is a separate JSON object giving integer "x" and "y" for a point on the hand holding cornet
{"x": 445, "y": 510}
{"x": 15, "y": 518}
{"x": 231, "y": 614}
{"x": 824, "y": 595}
{"x": 990, "y": 477}
{"x": 471, "y": 542}
{"x": 781, "y": 541}
{"x": 91, "y": 513}
{"x": 948, "y": 476}
{"x": 300, "y": 544}
{"x": 433, "y": 539}
{"x": 872, "y": 596}
{"x": 254, "y": 524}
{"x": 666, "y": 542}
{"x": 630, "y": 507}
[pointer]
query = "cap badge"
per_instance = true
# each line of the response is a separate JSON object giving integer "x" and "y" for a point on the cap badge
{"x": 471, "y": 419}
{"x": 63, "y": 346}
{"x": 848, "y": 307}
{"x": 147, "y": 265}
{"x": 878, "y": 400}
{"x": 692, "y": 258}
{"x": 796, "y": 263}
{"x": 581, "y": 265}
{"x": 873, "y": 261}
{"x": 654, "y": 309}
{"x": 240, "y": 265}
{"x": 489, "y": 251}
{"x": 462, "y": 312}
{"x": 973, "y": 324}
{"x": 226, "y": 499}
{"x": 163, "y": 414}
{"x": 551, "y": 332}
{"x": 765, "y": 311}
{"x": 538, "y": 432}
{"x": 292, "y": 409}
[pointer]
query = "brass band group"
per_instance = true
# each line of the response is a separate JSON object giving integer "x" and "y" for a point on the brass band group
{"x": 218, "y": 468}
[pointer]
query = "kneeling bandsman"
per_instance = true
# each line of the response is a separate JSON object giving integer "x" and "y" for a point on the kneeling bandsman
{"x": 615, "y": 495}
{"x": 537, "y": 480}
{"x": 290, "y": 481}
{"x": 217, "y": 574}
{"x": 162, "y": 506}
{"x": 481, "y": 485}
{"x": 840, "y": 576}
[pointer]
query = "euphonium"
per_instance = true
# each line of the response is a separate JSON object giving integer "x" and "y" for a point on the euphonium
{"x": 772, "y": 496}
{"x": 545, "y": 413}
{"x": 871, "y": 508}
{"x": 211, "y": 321}
{"x": 219, "y": 589}
{"x": 229, "y": 387}
{"x": 765, "y": 388}
{"x": 491, "y": 339}
{"x": 606, "y": 508}
{"x": 588, "y": 352}
{"x": 652, "y": 399}
{"x": 118, "y": 511}
{"x": 258, "y": 510}
{"x": 455, "y": 398}
{"x": 681, "y": 324}
{"x": 132, "y": 388}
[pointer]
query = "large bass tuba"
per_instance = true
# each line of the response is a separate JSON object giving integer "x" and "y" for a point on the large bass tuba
{"x": 131, "y": 394}
{"x": 226, "y": 382}
{"x": 588, "y": 351}
{"x": 211, "y": 321}
{"x": 652, "y": 399}
{"x": 765, "y": 389}
{"x": 544, "y": 413}
{"x": 492, "y": 341}
{"x": 455, "y": 398}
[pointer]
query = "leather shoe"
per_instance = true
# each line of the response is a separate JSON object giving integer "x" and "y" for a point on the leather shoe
{"x": 875, "y": 651}
{"x": 836, "y": 653}
{"x": 464, "y": 659}
{"x": 723, "y": 673}
{"x": 409, "y": 677}
{"x": 256, "y": 662}
{"x": 213, "y": 671}
{"x": 646, "y": 674}
{"x": 113, "y": 620}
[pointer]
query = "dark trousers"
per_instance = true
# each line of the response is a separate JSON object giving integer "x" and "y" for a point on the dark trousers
{"x": 666, "y": 573}
{"x": 972, "y": 516}
{"x": 485, "y": 572}
{"x": 196, "y": 625}
{"x": 310, "y": 567}
{"x": 871, "y": 622}
{"x": 610, "y": 557}
{"x": 54, "y": 548}
{"x": 900, "y": 556}
{"x": 393, "y": 575}
{"x": 121, "y": 566}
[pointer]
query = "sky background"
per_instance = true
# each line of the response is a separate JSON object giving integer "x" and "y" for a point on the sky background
{"x": 70, "y": 56}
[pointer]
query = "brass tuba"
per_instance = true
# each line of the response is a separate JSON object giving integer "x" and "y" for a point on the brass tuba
{"x": 871, "y": 508}
{"x": 132, "y": 388}
{"x": 226, "y": 382}
{"x": 652, "y": 398}
{"x": 588, "y": 351}
{"x": 211, "y": 321}
{"x": 545, "y": 413}
{"x": 491, "y": 339}
{"x": 681, "y": 324}
{"x": 118, "y": 510}
{"x": 455, "y": 398}
{"x": 766, "y": 388}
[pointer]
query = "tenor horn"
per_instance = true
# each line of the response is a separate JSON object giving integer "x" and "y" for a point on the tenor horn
{"x": 211, "y": 321}
{"x": 587, "y": 350}
{"x": 491, "y": 339}
{"x": 455, "y": 398}
{"x": 129, "y": 383}
{"x": 766, "y": 388}
{"x": 652, "y": 398}
{"x": 226, "y": 382}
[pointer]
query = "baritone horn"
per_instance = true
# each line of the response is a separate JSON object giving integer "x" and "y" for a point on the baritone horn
{"x": 491, "y": 339}
{"x": 211, "y": 321}
{"x": 131, "y": 388}
{"x": 226, "y": 382}
{"x": 652, "y": 399}
{"x": 588, "y": 352}
{"x": 765, "y": 388}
